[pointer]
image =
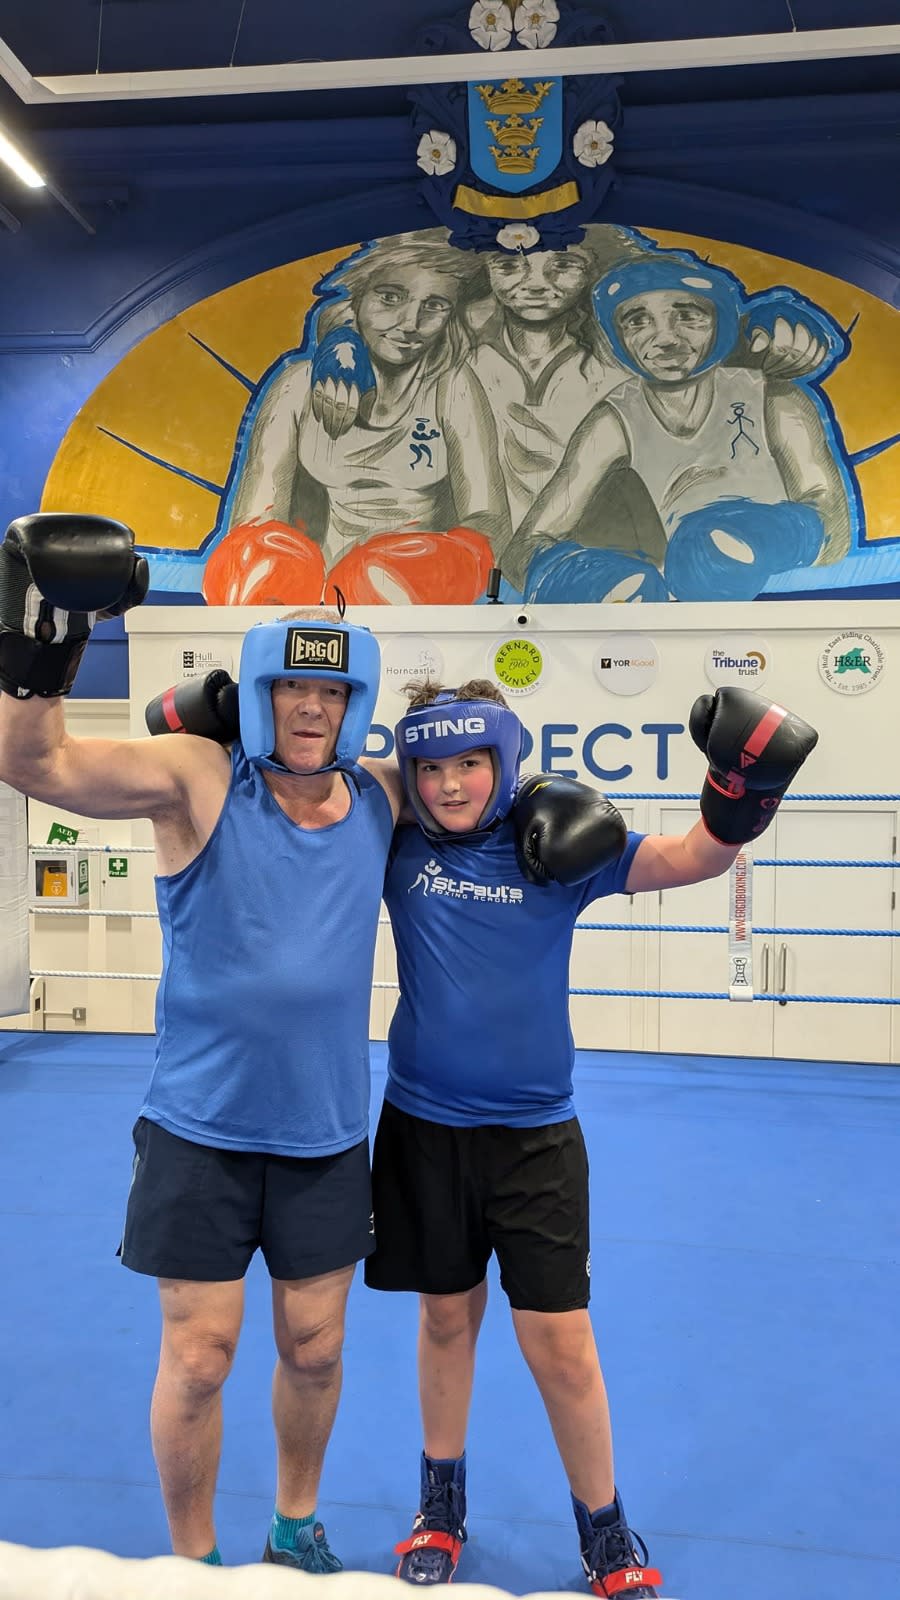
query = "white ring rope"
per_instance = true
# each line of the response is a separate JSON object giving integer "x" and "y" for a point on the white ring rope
{"x": 76, "y": 911}
{"x": 55, "y": 849}
{"x": 143, "y": 977}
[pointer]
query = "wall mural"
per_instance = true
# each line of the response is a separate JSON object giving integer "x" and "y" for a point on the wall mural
{"x": 637, "y": 416}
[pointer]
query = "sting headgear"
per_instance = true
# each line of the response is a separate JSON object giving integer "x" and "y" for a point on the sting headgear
{"x": 450, "y": 727}
{"x": 337, "y": 650}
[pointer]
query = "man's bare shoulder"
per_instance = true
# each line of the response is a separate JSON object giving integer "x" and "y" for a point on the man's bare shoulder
{"x": 191, "y": 759}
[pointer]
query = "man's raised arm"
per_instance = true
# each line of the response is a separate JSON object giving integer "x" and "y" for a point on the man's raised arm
{"x": 58, "y": 572}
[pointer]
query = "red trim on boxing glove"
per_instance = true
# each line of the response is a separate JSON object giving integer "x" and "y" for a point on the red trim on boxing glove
{"x": 167, "y": 707}
{"x": 761, "y": 735}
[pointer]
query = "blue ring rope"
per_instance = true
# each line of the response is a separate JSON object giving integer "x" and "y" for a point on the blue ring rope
{"x": 662, "y": 794}
{"x": 813, "y": 861}
{"x": 707, "y": 994}
{"x": 715, "y": 927}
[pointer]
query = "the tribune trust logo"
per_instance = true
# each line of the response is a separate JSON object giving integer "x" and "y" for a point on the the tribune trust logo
{"x": 737, "y": 663}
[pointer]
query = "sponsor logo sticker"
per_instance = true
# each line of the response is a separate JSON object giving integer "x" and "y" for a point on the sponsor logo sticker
{"x": 738, "y": 661}
{"x": 518, "y": 664}
{"x": 851, "y": 663}
{"x": 626, "y": 663}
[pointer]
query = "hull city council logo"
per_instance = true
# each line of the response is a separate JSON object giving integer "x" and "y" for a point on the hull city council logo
{"x": 851, "y": 663}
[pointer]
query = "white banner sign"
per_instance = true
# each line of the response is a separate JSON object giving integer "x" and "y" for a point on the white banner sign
{"x": 740, "y": 927}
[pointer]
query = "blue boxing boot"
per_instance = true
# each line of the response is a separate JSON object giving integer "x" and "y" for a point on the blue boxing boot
{"x": 431, "y": 1553}
{"x": 614, "y": 1558}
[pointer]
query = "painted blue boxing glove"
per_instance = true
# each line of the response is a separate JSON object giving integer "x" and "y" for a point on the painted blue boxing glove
{"x": 789, "y": 337}
{"x": 567, "y": 571}
{"x": 341, "y": 373}
{"x": 730, "y": 549}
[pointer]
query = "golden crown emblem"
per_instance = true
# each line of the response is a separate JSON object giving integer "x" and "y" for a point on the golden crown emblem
{"x": 512, "y": 98}
{"x": 515, "y": 150}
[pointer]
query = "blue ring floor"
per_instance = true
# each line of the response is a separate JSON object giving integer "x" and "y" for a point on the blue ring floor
{"x": 745, "y": 1297}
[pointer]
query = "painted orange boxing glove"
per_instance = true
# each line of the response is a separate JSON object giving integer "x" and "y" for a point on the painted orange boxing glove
{"x": 413, "y": 568}
{"x": 264, "y": 564}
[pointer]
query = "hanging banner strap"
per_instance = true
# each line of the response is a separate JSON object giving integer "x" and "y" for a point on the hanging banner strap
{"x": 740, "y": 927}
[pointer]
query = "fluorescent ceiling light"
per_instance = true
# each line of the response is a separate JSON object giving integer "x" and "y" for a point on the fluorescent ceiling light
{"x": 14, "y": 159}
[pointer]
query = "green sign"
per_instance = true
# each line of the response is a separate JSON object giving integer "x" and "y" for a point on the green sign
{"x": 118, "y": 866}
{"x": 82, "y": 875}
{"x": 61, "y": 834}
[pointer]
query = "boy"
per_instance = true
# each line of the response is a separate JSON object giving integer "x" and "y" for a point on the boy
{"x": 478, "y": 1148}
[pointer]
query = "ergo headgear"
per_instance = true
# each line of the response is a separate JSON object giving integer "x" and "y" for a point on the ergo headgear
{"x": 336, "y": 650}
{"x": 450, "y": 727}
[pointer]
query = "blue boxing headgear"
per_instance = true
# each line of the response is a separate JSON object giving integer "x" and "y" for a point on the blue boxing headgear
{"x": 670, "y": 272}
{"x": 450, "y": 727}
{"x": 332, "y": 650}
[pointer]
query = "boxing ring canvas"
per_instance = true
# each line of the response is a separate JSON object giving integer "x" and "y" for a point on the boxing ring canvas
{"x": 744, "y": 1220}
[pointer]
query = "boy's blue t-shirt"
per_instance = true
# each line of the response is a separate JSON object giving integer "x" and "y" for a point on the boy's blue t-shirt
{"x": 481, "y": 1032}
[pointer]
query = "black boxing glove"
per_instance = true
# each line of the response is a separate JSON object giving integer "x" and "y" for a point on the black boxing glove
{"x": 59, "y": 571}
{"x": 206, "y": 706}
{"x": 755, "y": 749}
{"x": 565, "y": 831}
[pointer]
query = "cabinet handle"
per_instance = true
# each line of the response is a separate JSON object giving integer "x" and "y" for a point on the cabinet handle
{"x": 764, "y": 984}
{"x": 782, "y": 973}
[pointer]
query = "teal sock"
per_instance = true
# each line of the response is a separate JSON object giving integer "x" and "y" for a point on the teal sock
{"x": 213, "y": 1559}
{"x": 285, "y": 1529}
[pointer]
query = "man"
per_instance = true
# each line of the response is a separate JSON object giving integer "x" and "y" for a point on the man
{"x": 253, "y": 1133}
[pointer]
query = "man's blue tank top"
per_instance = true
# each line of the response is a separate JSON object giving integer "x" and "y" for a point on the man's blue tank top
{"x": 262, "y": 1013}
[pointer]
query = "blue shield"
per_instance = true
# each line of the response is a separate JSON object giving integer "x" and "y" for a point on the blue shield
{"x": 515, "y": 132}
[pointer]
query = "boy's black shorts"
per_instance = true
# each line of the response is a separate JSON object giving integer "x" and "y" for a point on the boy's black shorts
{"x": 198, "y": 1213}
{"x": 446, "y": 1198}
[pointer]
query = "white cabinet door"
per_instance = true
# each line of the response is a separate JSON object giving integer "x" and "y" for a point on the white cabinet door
{"x": 607, "y": 960}
{"x": 699, "y": 961}
{"x": 385, "y": 971}
{"x": 845, "y": 899}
